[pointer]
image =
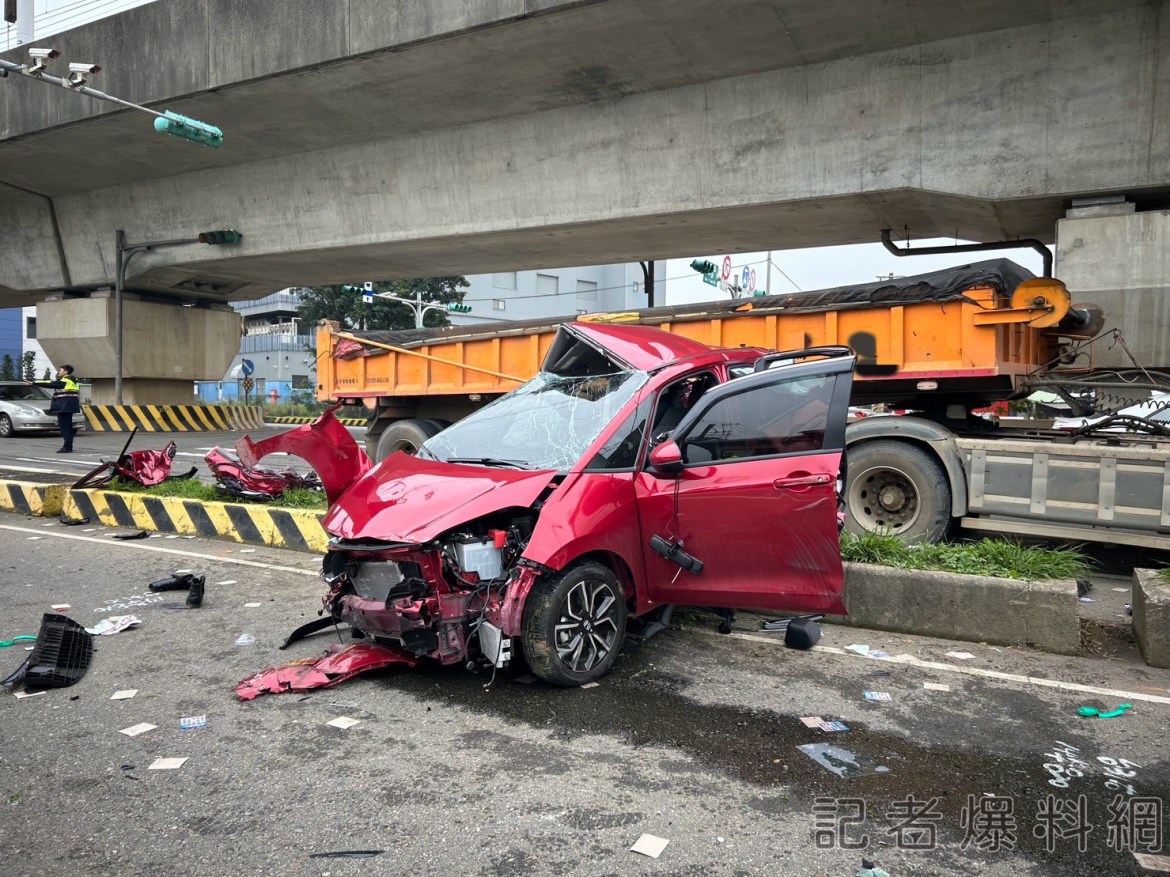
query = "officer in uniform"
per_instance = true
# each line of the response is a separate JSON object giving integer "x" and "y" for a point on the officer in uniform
{"x": 66, "y": 402}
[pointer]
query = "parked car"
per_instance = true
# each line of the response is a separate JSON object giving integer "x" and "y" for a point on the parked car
{"x": 637, "y": 470}
{"x": 25, "y": 408}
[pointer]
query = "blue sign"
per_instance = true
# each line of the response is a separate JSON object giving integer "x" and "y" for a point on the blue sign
{"x": 747, "y": 276}
{"x": 368, "y": 298}
{"x": 247, "y": 367}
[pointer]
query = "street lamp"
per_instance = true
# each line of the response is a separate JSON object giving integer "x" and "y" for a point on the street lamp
{"x": 123, "y": 253}
{"x": 416, "y": 304}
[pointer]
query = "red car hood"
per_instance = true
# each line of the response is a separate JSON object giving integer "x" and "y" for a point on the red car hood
{"x": 411, "y": 499}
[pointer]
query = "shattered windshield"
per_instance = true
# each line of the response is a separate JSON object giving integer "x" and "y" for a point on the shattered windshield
{"x": 546, "y": 424}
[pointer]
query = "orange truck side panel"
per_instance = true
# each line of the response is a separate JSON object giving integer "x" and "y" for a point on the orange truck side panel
{"x": 921, "y": 340}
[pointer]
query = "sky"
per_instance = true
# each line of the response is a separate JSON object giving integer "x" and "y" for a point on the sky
{"x": 823, "y": 267}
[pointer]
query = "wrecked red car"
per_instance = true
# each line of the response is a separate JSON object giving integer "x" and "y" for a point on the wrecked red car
{"x": 638, "y": 470}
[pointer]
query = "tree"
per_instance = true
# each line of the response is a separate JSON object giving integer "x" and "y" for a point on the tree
{"x": 48, "y": 375}
{"x": 28, "y": 365}
{"x": 7, "y": 368}
{"x": 348, "y": 309}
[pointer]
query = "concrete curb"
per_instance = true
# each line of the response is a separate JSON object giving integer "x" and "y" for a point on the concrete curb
{"x": 298, "y": 529}
{"x": 171, "y": 418}
{"x": 344, "y": 421}
{"x": 1151, "y": 616}
{"x": 982, "y": 609}
{"x": 28, "y": 498}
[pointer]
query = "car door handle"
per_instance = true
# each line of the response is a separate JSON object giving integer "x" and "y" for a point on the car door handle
{"x": 800, "y": 479}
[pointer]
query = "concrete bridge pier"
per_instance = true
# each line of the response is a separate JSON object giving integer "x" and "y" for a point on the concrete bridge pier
{"x": 166, "y": 346}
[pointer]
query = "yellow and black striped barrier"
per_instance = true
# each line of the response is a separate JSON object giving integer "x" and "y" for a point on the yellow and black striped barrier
{"x": 344, "y": 421}
{"x": 171, "y": 418}
{"x": 298, "y": 529}
{"x": 27, "y": 498}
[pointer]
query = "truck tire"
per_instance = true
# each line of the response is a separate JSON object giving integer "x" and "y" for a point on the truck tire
{"x": 406, "y": 436}
{"x": 897, "y": 487}
{"x": 574, "y": 625}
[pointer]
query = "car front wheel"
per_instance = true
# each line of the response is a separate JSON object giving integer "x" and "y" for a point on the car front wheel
{"x": 574, "y": 625}
{"x": 6, "y": 428}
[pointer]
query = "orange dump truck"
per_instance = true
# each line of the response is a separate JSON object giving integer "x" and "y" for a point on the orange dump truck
{"x": 939, "y": 344}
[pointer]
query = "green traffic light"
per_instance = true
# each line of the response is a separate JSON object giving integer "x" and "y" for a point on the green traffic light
{"x": 459, "y": 309}
{"x": 189, "y": 129}
{"x": 703, "y": 266}
{"x": 220, "y": 236}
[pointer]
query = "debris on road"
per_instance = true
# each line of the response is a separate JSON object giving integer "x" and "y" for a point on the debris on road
{"x": 1091, "y": 711}
{"x": 347, "y": 854}
{"x": 113, "y": 624}
{"x": 20, "y": 695}
{"x": 961, "y": 656}
{"x": 858, "y": 648}
{"x": 59, "y": 658}
{"x": 869, "y": 869}
{"x": 182, "y": 580}
{"x": 842, "y": 762}
{"x": 344, "y": 722}
{"x": 649, "y": 845}
{"x": 877, "y": 695}
{"x": 336, "y": 666}
{"x": 60, "y": 607}
{"x": 833, "y": 726}
{"x": 811, "y": 721}
{"x": 140, "y": 728}
{"x": 1153, "y": 863}
{"x": 24, "y": 636}
{"x": 935, "y": 686}
{"x": 803, "y": 633}
{"x": 124, "y": 694}
{"x": 141, "y": 534}
{"x": 167, "y": 763}
{"x": 190, "y": 723}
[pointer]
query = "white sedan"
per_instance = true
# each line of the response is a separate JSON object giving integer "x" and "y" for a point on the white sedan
{"x": 25, "y": 408}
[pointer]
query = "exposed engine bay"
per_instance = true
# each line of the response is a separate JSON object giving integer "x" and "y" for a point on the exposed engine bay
{"x": 441, "y": 600}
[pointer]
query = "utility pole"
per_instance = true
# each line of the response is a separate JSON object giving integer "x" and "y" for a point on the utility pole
{"x": 416, "y": 304}
{"x": 648, "y": 281}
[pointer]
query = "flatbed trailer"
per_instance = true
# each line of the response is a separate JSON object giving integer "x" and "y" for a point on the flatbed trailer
{"x": 939, "y": 344}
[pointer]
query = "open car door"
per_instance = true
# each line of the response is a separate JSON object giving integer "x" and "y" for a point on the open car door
{"x": 753, "y": 498}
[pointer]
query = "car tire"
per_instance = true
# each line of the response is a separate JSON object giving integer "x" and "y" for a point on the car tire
{"x": 6, "y": 427}
{"x": 896, "y": 487}
{"x": 574, "y": 625}
{"x": 406, "y": 436}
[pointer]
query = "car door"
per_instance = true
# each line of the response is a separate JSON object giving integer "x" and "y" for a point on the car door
{"x": 756, "y": 499}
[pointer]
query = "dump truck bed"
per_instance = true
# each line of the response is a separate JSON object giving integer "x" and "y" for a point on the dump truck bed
{"x": 929, "y": 327}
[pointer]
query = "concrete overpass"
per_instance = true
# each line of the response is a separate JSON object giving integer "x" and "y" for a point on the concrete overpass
{"x": 366, "y": 139}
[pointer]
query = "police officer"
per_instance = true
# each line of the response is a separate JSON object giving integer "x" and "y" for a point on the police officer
{"x": 66, "y": 402}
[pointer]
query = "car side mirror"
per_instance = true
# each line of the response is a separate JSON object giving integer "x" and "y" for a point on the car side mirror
{"x": 666, "y": 459}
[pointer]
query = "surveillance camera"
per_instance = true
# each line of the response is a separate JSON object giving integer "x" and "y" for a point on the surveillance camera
{"x": 43, "y": 54}
{"x": 84, "y": 68}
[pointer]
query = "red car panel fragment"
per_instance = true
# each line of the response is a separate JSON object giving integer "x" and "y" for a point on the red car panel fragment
{"x": 305, "y": 674}
{"x": 324, "y": 444}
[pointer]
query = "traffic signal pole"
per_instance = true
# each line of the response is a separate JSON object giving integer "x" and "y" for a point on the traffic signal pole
{"x": 123, "y": 253}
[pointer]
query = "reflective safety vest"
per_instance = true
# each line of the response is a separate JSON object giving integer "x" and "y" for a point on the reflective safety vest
{"x": 65, "y": 396}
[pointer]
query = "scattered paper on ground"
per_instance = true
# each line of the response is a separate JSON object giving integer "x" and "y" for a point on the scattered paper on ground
{"x": 189, "y": 722}
{"x": 1153, "y": 863}
{"x": 842, "y": 762}
{"x": 1121, "y": 590}
{"x": 962, "y": 656}
{"x": 24, "y": 694}
{"x": 124, "y": 694}
{"x": 247, "y": 551}
{"x": 167, "y": 764}
{"x": 591, "y": 685}
{"x": 60, "y": 607}
{"x": 113, "y": 624}
{"x": 344, "y": 722}
{"x": 251, "y": 605}
{"x": 877, "y": 695}
{"x": 861, "y": 650}
{"x": 649, "y": 845}
{"x": 833, "y": 726}
{"x": 811, "y": 721}
{"x": 935, "y": 686}
{"x": 227, "y": 582}
{"x": 135, "y": 730}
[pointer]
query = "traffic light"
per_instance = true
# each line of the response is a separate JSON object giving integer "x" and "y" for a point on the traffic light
{"x": 188, "y": 129}
{"x": 220, "y": 236}
{"x": 703, "y": 266}
{"x": 459, "y": 309}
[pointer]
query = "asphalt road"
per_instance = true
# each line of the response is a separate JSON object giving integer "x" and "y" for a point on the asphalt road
{"x": 33, "y": 457}
{"x": 693, "y": 738}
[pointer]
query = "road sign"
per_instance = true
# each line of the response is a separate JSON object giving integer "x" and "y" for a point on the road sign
{"x": 751, "y": 286}
{"x": 726, "y": 268}
{"x": 247, "y": 367}
{"x": 248, "y": 384}
{"x": 746, "y": 277}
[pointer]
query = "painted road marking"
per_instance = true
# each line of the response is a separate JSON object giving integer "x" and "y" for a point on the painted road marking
{"x": 966, "y": 670}
{"x": 158, "y": 549}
